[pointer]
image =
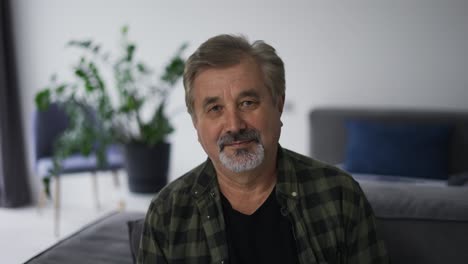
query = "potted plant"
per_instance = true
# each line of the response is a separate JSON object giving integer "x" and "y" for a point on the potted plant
{"x": 101, "y": 114}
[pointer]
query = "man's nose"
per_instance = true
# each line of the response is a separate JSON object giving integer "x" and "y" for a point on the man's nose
{"x": 234, "y": 122}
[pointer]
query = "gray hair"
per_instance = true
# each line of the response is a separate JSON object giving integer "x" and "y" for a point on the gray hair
{"x": 228, "y": 50}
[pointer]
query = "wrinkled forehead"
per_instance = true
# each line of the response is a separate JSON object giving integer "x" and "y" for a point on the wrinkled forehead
{"x": 231, "y": 81}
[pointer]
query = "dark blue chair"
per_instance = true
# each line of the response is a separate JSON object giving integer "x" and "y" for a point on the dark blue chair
{"x": 48, "y": 125}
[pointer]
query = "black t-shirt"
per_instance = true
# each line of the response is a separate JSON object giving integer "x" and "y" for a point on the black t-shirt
{"x": 263, "y": 237}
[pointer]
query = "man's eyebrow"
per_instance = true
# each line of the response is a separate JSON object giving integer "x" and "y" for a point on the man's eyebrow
{"x": 249, "y": 93}
{"x": 210, "y": 100}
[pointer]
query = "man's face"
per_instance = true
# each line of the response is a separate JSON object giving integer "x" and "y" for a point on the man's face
{"x": 237, "y": 122}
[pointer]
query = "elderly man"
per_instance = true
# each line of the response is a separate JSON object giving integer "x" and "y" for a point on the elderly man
{"x": 253, "y": 201}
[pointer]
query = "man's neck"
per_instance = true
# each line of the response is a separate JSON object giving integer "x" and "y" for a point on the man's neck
{"x": 247, "y": 191}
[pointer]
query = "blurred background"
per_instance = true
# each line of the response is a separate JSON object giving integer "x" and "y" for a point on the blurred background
{"x": 389, "y": 54}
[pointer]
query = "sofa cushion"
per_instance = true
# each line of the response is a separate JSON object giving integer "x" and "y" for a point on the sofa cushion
{"x": 413, "y": 150}
{"x": 424, "y": 241}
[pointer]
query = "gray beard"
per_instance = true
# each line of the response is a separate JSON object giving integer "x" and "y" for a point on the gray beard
{"x": 243, "y": 160}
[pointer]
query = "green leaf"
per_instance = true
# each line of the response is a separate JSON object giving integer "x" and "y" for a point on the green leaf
{"x": 174, "y": 71}
{"x": 60, "y": 89}
{"x": 141, "y": 68}
{"x": 133, "y": 103}
{"x": 81, "y": 73}
{"x": 82, "y": 44}
{"x": 46, "y": 184}
{"x": 43, "y": 99}
{"x": 182, "y": 48}
{"x": 124, "y": 30}
{"x": 130, "y": 51}
{"x": 158, "y": 128}
{"x": 96, "y": 75}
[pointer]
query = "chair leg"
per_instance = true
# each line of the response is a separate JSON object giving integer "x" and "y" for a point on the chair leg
{"x": 121, "y": 203}
{"x": 95, "y": 190}
{"x": 57, "y": 207}
{"x": 115, "y": 176}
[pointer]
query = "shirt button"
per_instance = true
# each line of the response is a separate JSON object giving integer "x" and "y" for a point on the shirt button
{"x": 294, "y": 194}
{"x": 284, "y": 211}
{"x": 222, "y": 262}
{"x": 207, "y": 217}
{"x": 212, "y": 194}
{"x": 195, "y": 192}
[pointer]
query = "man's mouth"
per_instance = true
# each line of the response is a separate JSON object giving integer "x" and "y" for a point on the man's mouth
{"x": 238, "y": 140}
{"x": 239, "y": 143}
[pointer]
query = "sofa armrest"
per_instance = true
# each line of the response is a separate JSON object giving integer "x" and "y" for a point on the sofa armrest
{"x": 103, "y": 241}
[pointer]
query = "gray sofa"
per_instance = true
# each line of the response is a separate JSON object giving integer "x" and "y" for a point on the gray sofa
{"x": 421, "y": 221}
{"x": 105, "y": 240}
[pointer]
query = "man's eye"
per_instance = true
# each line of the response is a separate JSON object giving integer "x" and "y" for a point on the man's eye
{"x": 215, "y": 108}
{"x": 247, "y": 104}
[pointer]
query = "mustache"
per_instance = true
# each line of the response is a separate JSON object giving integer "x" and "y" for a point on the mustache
{"x": 242, "y": 135}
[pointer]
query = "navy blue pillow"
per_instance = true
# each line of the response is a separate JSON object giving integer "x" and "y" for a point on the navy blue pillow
{"x": 412, "y": 150}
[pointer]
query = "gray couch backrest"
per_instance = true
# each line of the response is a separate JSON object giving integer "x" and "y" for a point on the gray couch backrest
{"x": 328, "y": 133}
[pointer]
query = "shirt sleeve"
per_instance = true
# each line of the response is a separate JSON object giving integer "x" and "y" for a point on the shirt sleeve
{"x": 364, "y": 244}
{"x": 150, "y": 250}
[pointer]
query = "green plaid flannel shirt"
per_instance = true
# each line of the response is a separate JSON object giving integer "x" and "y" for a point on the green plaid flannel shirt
{"x": 331, "y": 218}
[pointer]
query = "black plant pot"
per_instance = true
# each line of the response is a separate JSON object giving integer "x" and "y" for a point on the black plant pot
{"x": 146, "y": 166}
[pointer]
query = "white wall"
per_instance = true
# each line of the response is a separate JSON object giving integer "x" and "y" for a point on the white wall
{"x": 400, "y": 54}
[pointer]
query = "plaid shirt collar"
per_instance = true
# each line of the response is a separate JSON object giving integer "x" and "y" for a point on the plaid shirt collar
{"x": 286, "y": 186}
